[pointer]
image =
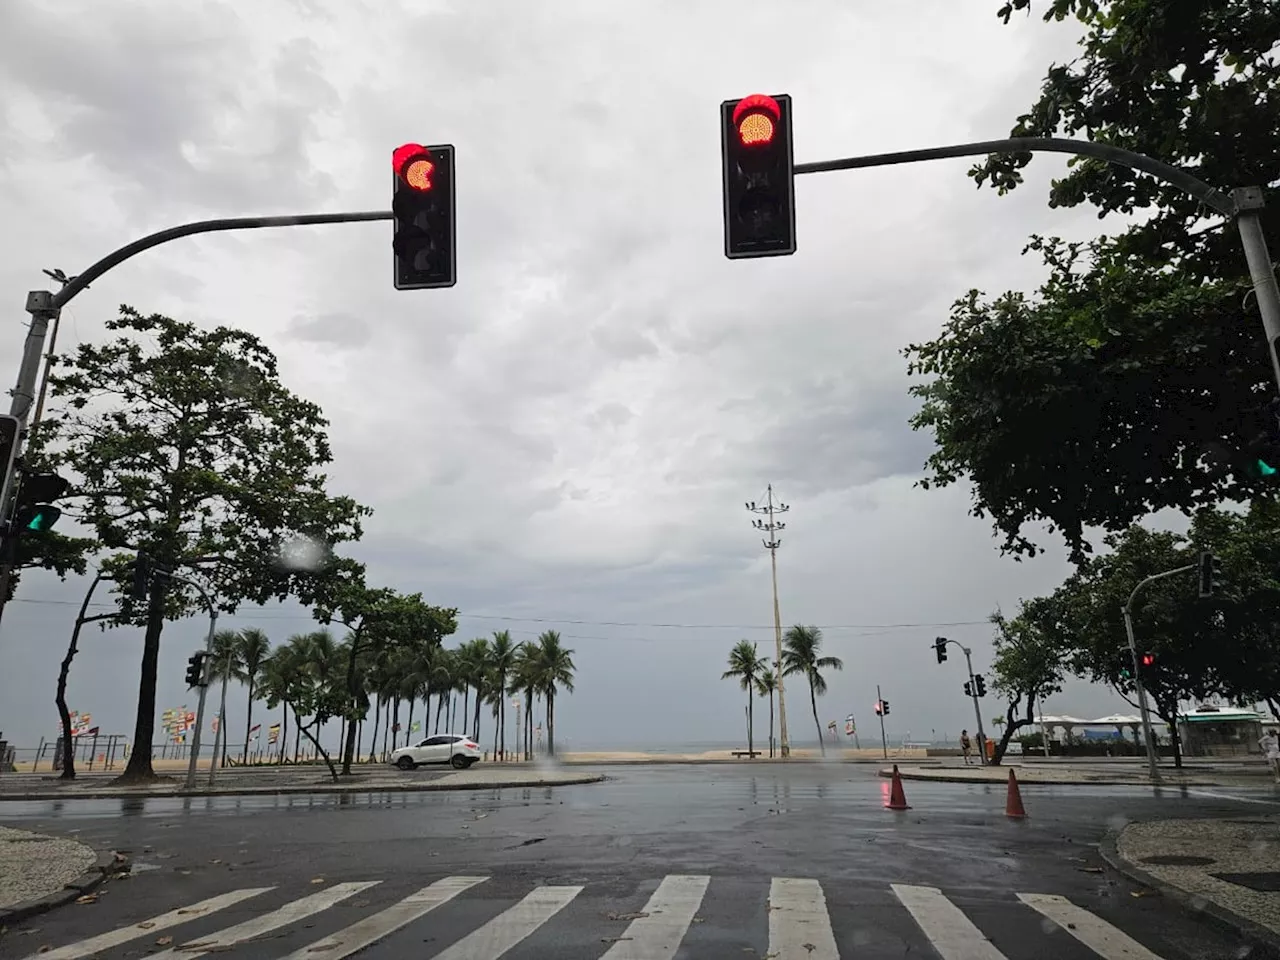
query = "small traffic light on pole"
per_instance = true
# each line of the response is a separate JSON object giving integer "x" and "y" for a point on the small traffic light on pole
{"x": 759, "y": 177}
{"x": 1148, "y": 660}
{"x": 34, "y": 511}
{"x": 195, "y": 669}
{"x": 1210, "y": 573}
{"x": 884, "y": 708}
{"x": 141, "y": 578}
{"x": 879, "y": 708}
{"x": 1262, "y": 452}
{"x": 940, "y": 648}
{"x": 10, "y": 428}
{"x": 423, "y": 206}
{"x": 981, "y": 682}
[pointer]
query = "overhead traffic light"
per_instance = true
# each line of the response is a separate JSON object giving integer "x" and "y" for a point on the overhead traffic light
{"x": 423, "y": 202}
{"x": 141, "y": 568}
{"x": 759, "y": 178}
{"x": 1210, "y": 573}
{"x": 195, "y": 669}
{"x": 981, "y": 681}
{"x": 34, "y": 511}
{"x": 940, "y": 648}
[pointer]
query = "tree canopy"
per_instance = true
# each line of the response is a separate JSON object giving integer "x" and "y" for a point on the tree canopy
{"x": 1134, "y": 376}
{"x": 183, "y": 446}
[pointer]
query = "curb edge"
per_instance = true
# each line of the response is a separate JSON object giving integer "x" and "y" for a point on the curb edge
{"x": 107, "y": 865}
{"x": 1212, "y": 912}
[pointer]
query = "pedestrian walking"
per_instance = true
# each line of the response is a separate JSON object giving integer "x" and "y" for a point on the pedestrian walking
{"x": 966, "y": 746}
{"x": 1270, "y": 744}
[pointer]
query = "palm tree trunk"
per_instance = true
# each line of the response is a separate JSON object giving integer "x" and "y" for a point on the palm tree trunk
{"x": 771, "y": 724}
{"x": 377, "y": 722}
{"x": 297, "y": 739}
{"x": 476, "y": 737}
{"x": 751, "y": 697}
{"x": 813, "y": 702}
{"x": 439, "y": 707}
{"x": 551, "y": 721}
{"x": 502, "y": 716}
{"x": 248, "y": 725}
{"x": 408, "y": 724}
{"x": 284, "y": 731}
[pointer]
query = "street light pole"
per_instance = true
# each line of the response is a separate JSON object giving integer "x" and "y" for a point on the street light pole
{"x": 1242, "y": 205}
{"x": 1152, "y": 768}
{"x": 772, "y": 527}
{"x": 977, "y": 710}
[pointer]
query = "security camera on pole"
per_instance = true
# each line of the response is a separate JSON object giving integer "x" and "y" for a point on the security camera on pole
{"x": 973, "y": 689}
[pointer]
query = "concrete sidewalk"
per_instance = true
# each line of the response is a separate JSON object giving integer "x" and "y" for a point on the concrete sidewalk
{"x": 39, "y": 872}
{"x": 1079, "y": 773}
{"x": 298, "y": 781}
{"x": 1228, "y": 869}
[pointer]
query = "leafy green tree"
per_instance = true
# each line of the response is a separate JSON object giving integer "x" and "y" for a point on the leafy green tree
{"x": 802, "y": 654}
{"x": 183, "y": 445}
{"x": 1028, "y": 664}
{"x": 746, "y": 666}
{"x": 1134, "y": 376}
{"x": 377, "y": 619}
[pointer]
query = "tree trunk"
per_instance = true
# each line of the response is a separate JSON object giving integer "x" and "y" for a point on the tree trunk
{"x": 408, "y": 725}
{"x": 476, "y": 737}
{"x": 297, "y": 738}
{"x": 377, "y": 723}
{"x": 221, "y": 737}
{"x": 813, "y": 702}
{"x": 248, "y": 723}
{"x": 284, "y": 730}
{"x": 751, "y": 695}
{"x": 138, "y": 769}
{"x": 551, "y": 721}
{"x": 353, "y": 693}
{"x": 68, "y": 749}
{"x": 319, "y": 749}
{"x": 771, "y": 723}
{"x": 502, "y": 716}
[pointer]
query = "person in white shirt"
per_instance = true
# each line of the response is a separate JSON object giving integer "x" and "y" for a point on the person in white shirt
{"x": 1270, "y": 744}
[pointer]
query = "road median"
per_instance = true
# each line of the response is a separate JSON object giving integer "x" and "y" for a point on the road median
{"x": 481, "y": 779}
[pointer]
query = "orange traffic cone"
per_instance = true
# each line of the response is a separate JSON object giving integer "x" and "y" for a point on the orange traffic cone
{"x": 897, "y": 796}
{"x": 1013, "y": 805}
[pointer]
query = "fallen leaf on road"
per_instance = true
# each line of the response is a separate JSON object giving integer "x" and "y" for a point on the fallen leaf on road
{"x": 215, "y": 861}
{"x": 163, "y": 941}
{"x": 1089, "y": 869}
{"x": 614, "y": 939}
{"x": 120, "y": 857}
{"x": 698, "y": 920}
{"x": 318, "y": 880}
{"x": 809, "y": 946}
{"x": 45, "y": 949}
{"x": 1137, "y": 893}
{"x": 1071, "y": 926}
{"x": 627, "y": 916}
{"x": 88, "y": 898}
{"x": 145, "y": 925}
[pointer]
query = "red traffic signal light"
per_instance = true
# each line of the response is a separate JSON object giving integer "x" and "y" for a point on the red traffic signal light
{"x": 1148, "y": 659}
{"x": 414, "y": 165}
{"x": 756, "y": 120}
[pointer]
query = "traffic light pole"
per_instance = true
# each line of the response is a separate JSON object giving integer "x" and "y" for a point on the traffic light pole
{"x": 45, "y": 308}
{"x": 1242, "y": 205}
{"x": 204, "y": 686}
{"x": 1152, "y": 767}
{"x": 884, "y": 743}
{"x": 973, "y": 693}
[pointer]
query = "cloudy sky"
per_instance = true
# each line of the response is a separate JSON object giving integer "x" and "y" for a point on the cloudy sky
{"x": 567, "y": 437}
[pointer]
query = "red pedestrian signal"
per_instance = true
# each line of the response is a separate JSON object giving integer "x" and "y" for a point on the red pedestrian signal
{"x": 1148, "y": 659}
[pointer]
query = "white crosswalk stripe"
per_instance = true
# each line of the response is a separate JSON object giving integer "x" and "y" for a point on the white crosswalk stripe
{"x": 656, "y": 934}
{"x": 372, "y": 929}
{"x": 511, "y": 926}
{"x": 799, "y": 927}
{"x": 800, "y": 922}
{"x": 289, "y": 913}
{"x": 105, "y": 941}
{"x": 950, "y": 932}
{"x": 1091, "y": 930}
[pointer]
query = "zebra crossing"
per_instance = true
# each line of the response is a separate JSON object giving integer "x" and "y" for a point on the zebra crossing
{"x": 557, "y": 920}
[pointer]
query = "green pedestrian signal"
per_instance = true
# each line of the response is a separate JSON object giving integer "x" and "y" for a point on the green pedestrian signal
{"x": 1263, "y": 469}
{"x": 43, "y": 519}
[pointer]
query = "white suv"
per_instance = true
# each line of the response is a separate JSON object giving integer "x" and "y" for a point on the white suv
{"x": 453, "y": 748}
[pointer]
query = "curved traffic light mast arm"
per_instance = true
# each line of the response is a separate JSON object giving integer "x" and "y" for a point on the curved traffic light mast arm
{"x": 1127, "y": 610}
{"x": 1241, "y": 204}
{"x": 83, "y": 280}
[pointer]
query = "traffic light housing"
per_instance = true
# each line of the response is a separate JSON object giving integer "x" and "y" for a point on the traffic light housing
{"x": 879, "y": 708}
{"x": 1148, "y": 660}
{"x": 968, "y": 688}
{"x": 34, "y": 511}
{"x": 195, "y": 669}
{"x": 981, "y": 681}
{"x": 1261, "y": 454}
{"x": 758, "y": 167}
{"x": 141, "y": 582}
{"x": 424, "y": 241}
{"x": 1210, "y": 568}
{"x": 10, "y": 428}
{"x": 940, "y": 648}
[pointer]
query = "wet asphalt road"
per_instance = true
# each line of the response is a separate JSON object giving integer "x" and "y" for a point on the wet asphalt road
{"x": 740, "y": 826}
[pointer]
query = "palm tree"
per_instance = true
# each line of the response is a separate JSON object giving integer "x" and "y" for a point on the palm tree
{"x": 473, "y": 657}
{"x": 554, "y": 668}
{"x": 524, "y": 677}
{"x": 502, "y": 655}
{"x": 766, "y": 684}
{"x": 280, "y": 675}
{"x": 226, "y": 662}
{"x": 802, "y": 647}
{"x": 253, "y": 653}
{"x": 746, "y": 664}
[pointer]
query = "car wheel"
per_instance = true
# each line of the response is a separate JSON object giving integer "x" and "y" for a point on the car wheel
{"x": 470, "y": 762}
{"x": 405, "y": 763}
{"x": 460, "y": 762}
